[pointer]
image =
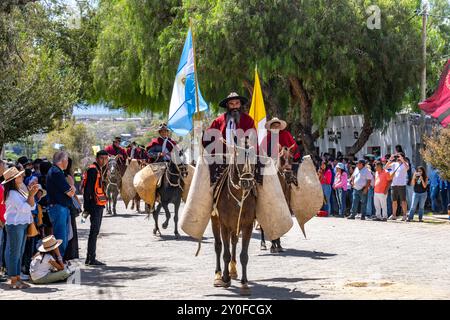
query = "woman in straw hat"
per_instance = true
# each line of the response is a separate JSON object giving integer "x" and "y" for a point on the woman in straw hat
{"x": 19, "y": 205}
{"x": 47, "y": 265}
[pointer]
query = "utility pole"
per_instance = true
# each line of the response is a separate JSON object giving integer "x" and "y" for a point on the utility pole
{"x": 423, "y": 82}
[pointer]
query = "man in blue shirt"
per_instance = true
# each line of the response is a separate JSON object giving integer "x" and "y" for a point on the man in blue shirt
{"x": 434, "y": 182}
{"x": 60, "y": 195}
{"x": 444, "y": 186}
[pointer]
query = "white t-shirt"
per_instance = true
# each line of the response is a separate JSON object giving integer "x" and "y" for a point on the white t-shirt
{"x": 40, "y": 266}
{"x": 360, "y": 178}
{"x": 18, "y": 211}
{"x": 401, "y": 175}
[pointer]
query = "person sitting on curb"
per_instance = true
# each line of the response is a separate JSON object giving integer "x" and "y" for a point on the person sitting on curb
{"x": 47, "y": 265}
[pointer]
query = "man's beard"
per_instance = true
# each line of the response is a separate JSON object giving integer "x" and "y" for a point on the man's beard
{"x": 234, "y": 114}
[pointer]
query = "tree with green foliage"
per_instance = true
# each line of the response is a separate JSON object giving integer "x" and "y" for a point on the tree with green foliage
{"x": 316, "y": 58}
{"x": 436, "y": 152}
{"x": 38, "y": 85}
{"x": 75, "y": 139}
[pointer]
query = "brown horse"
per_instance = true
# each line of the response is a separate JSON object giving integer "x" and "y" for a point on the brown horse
{"x": 235, "y": 212}
{"x": 287, "y": 178}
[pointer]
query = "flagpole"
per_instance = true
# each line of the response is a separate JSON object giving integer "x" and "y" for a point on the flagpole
{"x": 197, "y": 116}
{"x": 195, "y": 70}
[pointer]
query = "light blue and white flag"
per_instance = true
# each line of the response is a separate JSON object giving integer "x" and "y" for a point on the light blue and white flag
{"x": 182, "y": 104}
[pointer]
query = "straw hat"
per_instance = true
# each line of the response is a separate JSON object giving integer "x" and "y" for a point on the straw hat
{"x": 275, "y": 120}
{"x": 11, "y": 174}
{"x": 233, "y": 96}
{"x": 49, "y": 243}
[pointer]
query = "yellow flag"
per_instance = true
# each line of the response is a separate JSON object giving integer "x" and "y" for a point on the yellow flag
{"x": 95, "y": 149}
{"x": 257, "y": 109}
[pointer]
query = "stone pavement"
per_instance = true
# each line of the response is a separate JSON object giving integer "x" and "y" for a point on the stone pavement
{"x": 340, "y": 259}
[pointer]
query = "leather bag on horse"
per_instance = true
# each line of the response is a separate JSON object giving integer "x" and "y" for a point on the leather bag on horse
{"x": 199, "y": 203}
{"x": 146, "y": 181}
{"x": 307, "y": 198}
{"x": 272, "y": 210}
{"x": 127, "y": 191}
{"x": 187, "y": 182}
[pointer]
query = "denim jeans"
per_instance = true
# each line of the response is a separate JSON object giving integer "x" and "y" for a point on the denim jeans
{"x": 409, "y": 195}
{"x": 349, "y": 199}
{"x": 359, "y": 196}
{"x": 418, "y": 199}
{"x": 370, "y": 204}
{"x": 444, "y": 198}
{"x": 60, "y": 217}
{"x": 327, "y": 194}
{"x": 340, "y": 195}
{"x": 389, "y": 203}
{"x": 15, "y": 246}
{"x": 434, "y": 194}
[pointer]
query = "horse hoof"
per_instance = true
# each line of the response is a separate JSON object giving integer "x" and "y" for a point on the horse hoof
{"x": 245, "y": 290}
{"x": 177, "y": 236}
{"x": 165, "y": 224}
{"x": 233, "y": 275}
{"x": 222, "y": 284}
{"x": 273, "y": 250}
{"x": 263, "y": 246}
{"x": 155, "y": 231}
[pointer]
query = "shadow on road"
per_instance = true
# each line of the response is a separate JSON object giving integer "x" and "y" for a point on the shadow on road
{"x": 169, "y": 237}
{"x": 317, "y": 255}
{"x": 110, "y": 276}
{"x": 35, "y": 289}
{"x": 291, "y": 280}
{"x": 261, "y": 291}
{"x": 84, "y": 234}
{"x": 126, "y": 215}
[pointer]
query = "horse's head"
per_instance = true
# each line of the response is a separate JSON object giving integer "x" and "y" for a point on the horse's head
{"x": 243, "y": 163}
{"x": 178, "y": 159}
{"x": 285, "y": 160}
{"x": 113, "y": 167}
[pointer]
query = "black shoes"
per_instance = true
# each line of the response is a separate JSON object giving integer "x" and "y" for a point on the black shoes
{"x": 94, "y": 263}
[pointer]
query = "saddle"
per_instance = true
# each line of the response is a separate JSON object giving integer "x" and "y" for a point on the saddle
{"x": 159, "y": 168}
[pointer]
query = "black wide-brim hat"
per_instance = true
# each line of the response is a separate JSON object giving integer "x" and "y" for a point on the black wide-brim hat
{"x": 233, "y": 96}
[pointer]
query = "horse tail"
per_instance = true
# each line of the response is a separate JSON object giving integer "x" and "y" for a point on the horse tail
{"x": 199, "y": 247}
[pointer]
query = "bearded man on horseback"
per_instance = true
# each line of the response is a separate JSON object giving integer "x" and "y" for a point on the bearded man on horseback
{"x": 159, "y": 149}
{"x": 228, "y": 123}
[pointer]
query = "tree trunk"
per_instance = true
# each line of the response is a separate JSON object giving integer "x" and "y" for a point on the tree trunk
{"x": 305, "y": 123}
{"x": 272, "y": 106}
{"x": 366, "y": 131}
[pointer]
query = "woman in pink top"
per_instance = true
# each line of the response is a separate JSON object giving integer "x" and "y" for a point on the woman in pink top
{"x": 340, "y": 185}
{"x": 2, "y": 217}
{"x": 325, "y": 179}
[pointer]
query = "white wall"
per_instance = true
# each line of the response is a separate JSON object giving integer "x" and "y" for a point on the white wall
{"x": 403, "y": 130}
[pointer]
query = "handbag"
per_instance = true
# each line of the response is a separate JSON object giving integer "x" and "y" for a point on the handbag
{"x": 32, "y": 230}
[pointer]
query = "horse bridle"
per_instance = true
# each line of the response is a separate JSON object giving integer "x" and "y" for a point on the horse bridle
{"x": 246, "y": 175}
{"x": 178, "y": 174}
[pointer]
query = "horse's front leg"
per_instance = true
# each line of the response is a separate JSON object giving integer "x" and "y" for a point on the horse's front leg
{"x": 226, "y": 233}
{"x": 167, "y": 211}
{"x": 175, "y": 217}
{"x": 246, "y": 236}
{"x": 232, "y": 267}
{"x": 115, "y": 203}
{"x": 108, "y": 203}
{"x": 215, "y": 224}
